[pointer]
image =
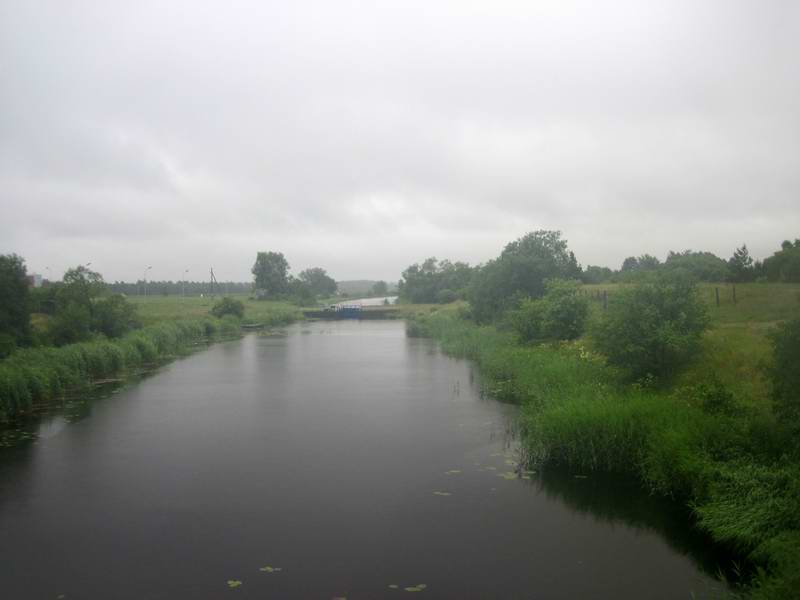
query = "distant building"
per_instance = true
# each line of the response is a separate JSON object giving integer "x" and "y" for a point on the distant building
{"x": 35, "y": 280}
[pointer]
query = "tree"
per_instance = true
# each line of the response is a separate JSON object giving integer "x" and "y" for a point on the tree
{"x": 379, "y": 288}
{"x": 15, "y": 316}
{"x": 784, "y": 265}
{"x": 520, "y": 272}
{"x": 423, "y": 283}
{"x": 318, "y": 281}
{"x": 740, "y": 265}
{"x": 270, "y": 273}
{"x": 652, "y": 328}
{"x": 114, "y": 316}
{"x": 701, "y": 266}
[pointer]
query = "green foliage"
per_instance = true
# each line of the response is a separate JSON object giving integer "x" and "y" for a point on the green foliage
{"x": 43, "y": 374}
{"x": 595, "y": 274}
{"x": 652, "y": 329}
{"x": 784, "y": 374}
{"x": 700, "y": 266}
{"x": 72, "y": 323}
{"x": 270, "y": 273}
{"x": 15, "y": 314}
{"x": 784, "y": 265}
{"x": 423, "y": 283}
{"x": 114, "y": 316}
{"x": 318, "y": 281}
{"x": 519, "y": 272}
{"x": 300, "y": 293}
{"x": 740, "y": 265}
{"x": 560, "y": 315}
{"x": 379, "y": 288}
{"x": 228, "y": 306}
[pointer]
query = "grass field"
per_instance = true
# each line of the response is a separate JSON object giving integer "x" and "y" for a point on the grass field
{"x": 154, "y": 309}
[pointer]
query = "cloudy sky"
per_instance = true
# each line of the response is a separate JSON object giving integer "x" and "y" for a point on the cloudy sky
{"x": 364, "y": 136}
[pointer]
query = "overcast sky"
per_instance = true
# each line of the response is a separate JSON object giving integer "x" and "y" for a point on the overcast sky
{"x": 364, "y": 136}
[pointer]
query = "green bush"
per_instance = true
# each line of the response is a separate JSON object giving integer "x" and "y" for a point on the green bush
{"x": 228, "y": 306}
{"x": 784, "y": 374}
{"x": 560, "y": 315}
{"x": 114, "y": 316}
{"x": 652, "y": 329}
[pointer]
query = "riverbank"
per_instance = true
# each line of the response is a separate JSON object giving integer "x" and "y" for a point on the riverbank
{"x": 37, "y": 376}
{"x": 712, "y": 449}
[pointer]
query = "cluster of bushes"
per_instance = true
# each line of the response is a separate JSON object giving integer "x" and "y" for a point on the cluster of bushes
{"x": 435, "y": 282}
{"x": 34, "y": 375}
{"x": 727, "y": 460}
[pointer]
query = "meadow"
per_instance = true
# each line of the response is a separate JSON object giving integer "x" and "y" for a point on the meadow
{"x": 155, "y": 309}
{"x": 708, "y": 439}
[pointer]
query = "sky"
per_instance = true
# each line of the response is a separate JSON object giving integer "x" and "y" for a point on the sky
{"x": 362, "y": 137}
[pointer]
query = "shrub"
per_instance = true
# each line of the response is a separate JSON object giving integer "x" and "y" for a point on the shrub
{"x": 784, "y": 373}
{"x": 114, "y": 316}
{"x": 228, "y": 306}
{"x": 560, "y": 315}
{"x": 653, "y": 328}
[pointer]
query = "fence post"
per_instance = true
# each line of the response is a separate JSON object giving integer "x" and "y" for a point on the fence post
{"x": 716, "y": 291}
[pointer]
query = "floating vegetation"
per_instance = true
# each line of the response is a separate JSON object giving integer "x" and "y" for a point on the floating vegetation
{"x": 453, "y": 472}
{"x": 394, "y": 586}
{"x": 489, "y": 469}
{"x": 508, "y": 475}
{"x": 234, "y": 583}
{"x": 439, "y": 493}
{"x": 416, "y": 588}
{"x": 271, "y": 569}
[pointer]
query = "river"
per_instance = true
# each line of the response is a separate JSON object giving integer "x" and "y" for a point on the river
{"x": 342, "y": 460}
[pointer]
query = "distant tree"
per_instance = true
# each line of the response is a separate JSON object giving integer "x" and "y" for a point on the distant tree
{"x": 15, "y": 316}
{"x": 648, "y": 262}
{"x": 114, "y": 316}
{"x": 301, "y": 292}
{"x": 520, "y": 272}
{"x": 379, "y": 288}
{"x": 784, "y": 265}
{"x": 318, "y": 281}
{"x": 630, "y": 264}
{"x": 700, "y": 266}
{"x": 594, "y": 274}
{"x": 422, "y": 283}
{"x": 652, "y": 328}
{"x": 740, "y": 265}
{"x": 270, "y": 273}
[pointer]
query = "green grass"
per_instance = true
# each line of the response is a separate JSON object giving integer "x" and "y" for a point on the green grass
{"x": 36, "y": 376}
{"x": 155, "y": 309}
{"x": 709, "y": 441}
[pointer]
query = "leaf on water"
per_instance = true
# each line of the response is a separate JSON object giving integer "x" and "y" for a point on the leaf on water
{"x": 438, "y": 493}
{"x": 416, "y": 588}
{"x": 508, "y": 475}
{"x": 270, "y": 569}
{"x": 526, "y": 477}
{"x": 510, "y": 462}
{"x": 496, "y": 454}
{"x": 490, "y": 468}
{"x": 393, "y": 586}
{"x": 234, "y": 583}
{"x": 526, "y": 472}
{"x": 453, "y": 472}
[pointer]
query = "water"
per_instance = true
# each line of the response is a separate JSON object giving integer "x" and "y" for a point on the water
{"x": 320, "y": 454}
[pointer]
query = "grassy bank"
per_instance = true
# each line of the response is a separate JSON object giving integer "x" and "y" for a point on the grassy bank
{"x": 40, "y": 375}
{"x": 709, "y": 442}
{"x": 156, "y": 309}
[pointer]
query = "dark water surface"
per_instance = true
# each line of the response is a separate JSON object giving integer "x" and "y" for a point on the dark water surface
{"x": 319, "y": 453}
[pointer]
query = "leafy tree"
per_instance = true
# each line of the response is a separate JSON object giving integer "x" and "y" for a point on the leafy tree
{"x": 520, "y": 272}
{"x": 318, "y": 281}
{"x": 784, "y": 265}
{"x": 421, "y": 283}
{"x": 652, "y": 328}
{"x": 630, "y": 264}
{"x": 701, "y": 266}
{"x": 784, "y": 373}
{"x": 740, "y": 265}
{"x": 379, "y": 288}
{"x": 15, "y": 316}
{"x": 270, "y": 272}
{"x": 114, "y": 316}
{"x": 594, "y": 274}
{"x": 301, "y": 292}
{"x": 228, "y": 306}
{"x": 560, "y": 314}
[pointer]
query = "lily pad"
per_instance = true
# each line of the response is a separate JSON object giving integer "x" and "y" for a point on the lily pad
{"x": 234, "y": 583}
{"x": 393, "y": 586}
{"x": 416, "y": 588}
{"x": 508, "y": 475}
{"x": 453, "y": 472}
{"x": 270, "y": 569}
